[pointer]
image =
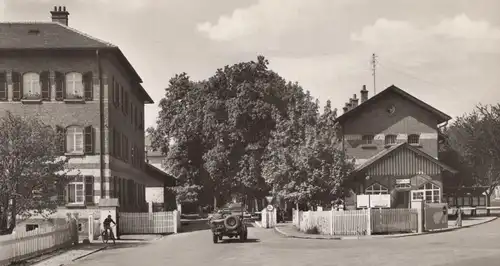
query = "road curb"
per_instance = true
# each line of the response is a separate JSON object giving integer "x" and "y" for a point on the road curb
{"x": 280, "y": 232}
{"x": 90, "y": 253}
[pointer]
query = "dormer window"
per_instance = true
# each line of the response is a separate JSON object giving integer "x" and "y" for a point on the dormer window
{"x": 390, "y": 139}
{"x": 414, "y": 139}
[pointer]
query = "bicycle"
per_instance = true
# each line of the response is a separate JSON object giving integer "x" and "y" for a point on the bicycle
{"x": 105, "y": 236}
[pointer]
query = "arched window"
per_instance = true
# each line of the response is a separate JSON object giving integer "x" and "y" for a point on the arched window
{"x": 74, "y": 139}
{"x": 376, "y": 189}
{"x": 413, "y": 139}
{"x": 74, "y": 85}
{"x": 31, "y": 85}
{"x": 431, "y": 192}
{"x": 390, "y": 139}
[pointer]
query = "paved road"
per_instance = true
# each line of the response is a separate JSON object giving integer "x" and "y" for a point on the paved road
{"x": 478, "y": 245}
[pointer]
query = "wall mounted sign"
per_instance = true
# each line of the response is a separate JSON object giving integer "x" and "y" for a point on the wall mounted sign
{"x": 402, "y": 181}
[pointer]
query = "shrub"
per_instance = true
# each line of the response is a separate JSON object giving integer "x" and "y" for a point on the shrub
{"x": 313, "y": 231}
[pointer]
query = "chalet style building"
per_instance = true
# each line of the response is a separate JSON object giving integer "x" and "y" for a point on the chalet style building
{"x": 86, "y": 88}
{"x": 393, "y": 137}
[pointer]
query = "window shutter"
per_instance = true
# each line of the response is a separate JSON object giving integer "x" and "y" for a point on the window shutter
{"x": 3, "y": 87}
{"x": 89, "y": 190}
{"x": 62, "y": 142}
{"x": 17, "y": 86}
{"x": 60, "y": 84}
{"x": 45, "y": 85}
{"x": 89, "y": 140}
{"x": 122, "y": 99}
{"x": 88, "y": 88}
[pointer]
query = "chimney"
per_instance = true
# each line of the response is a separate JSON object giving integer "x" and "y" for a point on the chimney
{"x": 345, "y": 108}
{"x": 364, "y": 94}
{"x": 60, "y": 15}
{"x": 354, "y": 101}
{"x": 349, "y": 106}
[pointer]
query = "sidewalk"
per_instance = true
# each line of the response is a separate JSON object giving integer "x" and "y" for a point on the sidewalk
{"x": 67, "y": 256}
{"x": 289, "y": 230}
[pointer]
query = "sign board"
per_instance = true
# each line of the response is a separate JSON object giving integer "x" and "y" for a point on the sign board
{"x": 402, "y": 181}
{"x": 269, "y": 199}
{"x": 373, "y": 201}
{"x": 270, "y": 208}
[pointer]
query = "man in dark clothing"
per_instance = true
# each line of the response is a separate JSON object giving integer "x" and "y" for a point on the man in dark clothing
{"x": 107, "y": 226}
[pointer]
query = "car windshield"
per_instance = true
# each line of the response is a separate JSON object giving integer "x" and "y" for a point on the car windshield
{"x": 233, "y": 207}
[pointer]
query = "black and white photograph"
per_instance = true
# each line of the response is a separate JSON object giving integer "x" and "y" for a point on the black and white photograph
{"x": 249, "y": 132}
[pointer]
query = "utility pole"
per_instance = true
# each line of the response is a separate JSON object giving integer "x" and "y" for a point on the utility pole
{"x": 374, "y": 66}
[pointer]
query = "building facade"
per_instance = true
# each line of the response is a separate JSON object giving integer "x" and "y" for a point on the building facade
{"x": 393, "y": 138}
{"x": 62, "y": 76}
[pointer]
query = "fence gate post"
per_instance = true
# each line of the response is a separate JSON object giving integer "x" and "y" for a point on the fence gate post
{"x": 331, "y": 221}
{"x": 91, "y": 228}
{"x": 369, "y": 221}
{"x": 174, "y": 218}
{"x": 418, "y": 204}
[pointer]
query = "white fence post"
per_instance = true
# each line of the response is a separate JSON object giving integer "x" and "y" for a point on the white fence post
{"x": 91, "y": 228}
{"x": 368, "y": 222}
{"x": 174, "y": 219}
{"x": 331, "y": 222}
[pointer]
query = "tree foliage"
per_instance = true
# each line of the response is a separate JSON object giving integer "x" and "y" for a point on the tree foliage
{"x": 475, "y": 140}
{"x": 224, "y": 129}
{"x": 30, "y": 169}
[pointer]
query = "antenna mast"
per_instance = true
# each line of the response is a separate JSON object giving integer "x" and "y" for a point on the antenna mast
{"x": 374, "y": 69}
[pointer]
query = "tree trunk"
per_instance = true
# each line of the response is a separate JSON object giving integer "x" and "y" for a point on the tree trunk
{"x": 215, "y": 202}
{"x": 488, "y": 203}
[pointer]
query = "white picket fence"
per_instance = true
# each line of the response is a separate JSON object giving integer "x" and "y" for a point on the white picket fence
{"x": 357, "y": 222}
{"x": 149, "y": 223}
{"x": 352, "y": 222}
{"x": 25, "y": 245}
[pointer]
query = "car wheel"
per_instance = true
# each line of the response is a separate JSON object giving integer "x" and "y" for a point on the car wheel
{"x": 215, "y": 239}
{"x": 220, "y": 238}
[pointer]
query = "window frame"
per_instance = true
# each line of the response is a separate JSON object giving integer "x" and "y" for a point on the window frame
{"x": 27, "y": 90}
{"x": 390, "y": 137}
{"x": 70, "y": 87}
{"x": 382, "y": 190}
{"x": 73, "y": 137}
{"x": 411, "y": 139}
{"x": 368, "y": 139}
{"x": 77, "y": 181}
{"x": 433, "y": 188}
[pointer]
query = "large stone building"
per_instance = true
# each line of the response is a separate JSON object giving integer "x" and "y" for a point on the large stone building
{"x": 61, "y": 75}
{"x": 394, "y": 138}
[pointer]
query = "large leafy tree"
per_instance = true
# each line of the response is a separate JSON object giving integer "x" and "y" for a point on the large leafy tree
{"x": 30, "y": 169}
{"x": 220, "y": 128}
{"x": 303, "y": 161}
{"x": 475, "y": 138}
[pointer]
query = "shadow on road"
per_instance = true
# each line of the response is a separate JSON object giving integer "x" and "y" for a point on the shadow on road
{"x": 123, "y": 245}
{"x": 235, "y": 240}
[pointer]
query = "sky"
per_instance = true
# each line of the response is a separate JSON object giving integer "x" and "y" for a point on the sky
{"x": 445, "y": 52}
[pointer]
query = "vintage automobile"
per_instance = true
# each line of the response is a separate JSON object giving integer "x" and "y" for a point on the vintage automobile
{"x": 229, "y": 221}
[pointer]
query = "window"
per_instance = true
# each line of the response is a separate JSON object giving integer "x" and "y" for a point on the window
{"x": 74, "y": 139}
{"x": 31, "y": 227}
{"x": 390, "y": 139}
{"x": 402, "y": 186}
{"x": 367, "y": 139}
{"x": 431, "y": 192}
{"x": 3, "y": 86}
{"x": 74, "y": 85}
{"x": 413, "y": 139}
{"x": 31, "y": 85}
{"x": 376, "y": 189}
{"x": 76, "y": 191}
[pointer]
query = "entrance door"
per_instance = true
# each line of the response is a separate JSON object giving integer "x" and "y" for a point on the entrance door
{"x": 402, "y": 199}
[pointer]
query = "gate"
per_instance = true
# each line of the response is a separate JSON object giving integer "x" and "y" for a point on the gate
{"x": 394, "y": 220}
{"x": 435, "y": 216}
{"x": 148, "y": 223}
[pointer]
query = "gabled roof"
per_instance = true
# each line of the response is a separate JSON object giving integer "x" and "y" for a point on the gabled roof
{"x": 442, "y": 117}
{"x": 404, "y": 145}
{"x": 56, "y": 36}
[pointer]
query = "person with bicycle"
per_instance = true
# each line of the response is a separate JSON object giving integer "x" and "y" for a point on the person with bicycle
{"x": 107, "y": 226}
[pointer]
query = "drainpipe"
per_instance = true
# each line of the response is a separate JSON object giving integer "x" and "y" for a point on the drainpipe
{"x": 101, "y": 120}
